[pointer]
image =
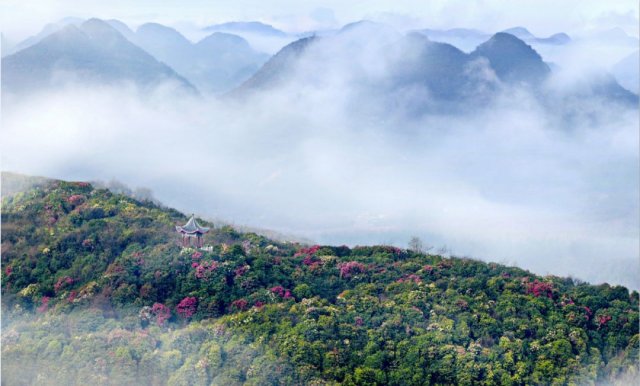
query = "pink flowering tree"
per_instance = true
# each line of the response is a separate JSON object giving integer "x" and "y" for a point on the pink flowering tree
{"x": 307, "y": 251}
{"x": 187, "y": 307}
{"x": 603, "y": 320}
{"x": 350, "y": 268}
{"x": 281, "y": 292}
{"x": 204, "y": 269}
{"x": 239, "y": 304}
{"x": 76, "y": 199}
{"x": 62, "y": 283}
{"x": 162, "y": 313}
{"x": 539, "y": 288}
{"x": 410, "y": 278}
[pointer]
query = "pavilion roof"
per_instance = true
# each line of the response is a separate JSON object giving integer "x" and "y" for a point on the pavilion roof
{"x": 192, "y": 227}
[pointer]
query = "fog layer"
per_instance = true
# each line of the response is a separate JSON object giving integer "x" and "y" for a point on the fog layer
{"x": 512, "y": 183}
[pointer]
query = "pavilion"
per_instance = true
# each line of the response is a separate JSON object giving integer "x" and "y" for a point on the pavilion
{"x": 192, "y": 230}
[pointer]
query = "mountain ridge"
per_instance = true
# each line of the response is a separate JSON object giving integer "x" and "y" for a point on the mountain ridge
{"x": 106, "y": 268}
{"x": 93, "y": 52}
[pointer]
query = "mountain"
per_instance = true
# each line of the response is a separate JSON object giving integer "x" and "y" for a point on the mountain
{"x": 524, "y": 34}
{"x": 165, "y": 44}
{"x": 614, "y": 36}
{"x": 253, "y": 27}
{"x": 512, "y": 59}
{"x": 122, "y": 28}
{"x": 557, "y": 39}
{"x": 92, "y": 53}
{"x": 224, "y": 61}
{"x": 217, "y": 63}
{"x": 468, "y": 39}
{"x": 262, "y": 37}
{"x": 97, "y": 288}
{"x": 313, "y": 58}
{"x": 277, "y": 69}
{"x": 380, "y": 73}
{"x": 390, "y": 63}
{"x": 463, "y": 38}
{"x": 627, "y": 72}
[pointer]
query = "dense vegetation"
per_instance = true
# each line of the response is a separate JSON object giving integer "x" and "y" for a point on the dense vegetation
{"x": 95, "y": 288}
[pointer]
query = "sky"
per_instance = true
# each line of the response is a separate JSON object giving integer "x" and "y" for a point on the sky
{"x": 20, "y": 19}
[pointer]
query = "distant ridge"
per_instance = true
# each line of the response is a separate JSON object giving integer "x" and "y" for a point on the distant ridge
{"x": 94, "y": 52}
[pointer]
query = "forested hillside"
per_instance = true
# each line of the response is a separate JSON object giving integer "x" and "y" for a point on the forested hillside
{"x": 97, "y": 290}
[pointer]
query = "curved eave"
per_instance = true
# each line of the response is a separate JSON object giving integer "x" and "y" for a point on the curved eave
{"x": 197, "y": 231}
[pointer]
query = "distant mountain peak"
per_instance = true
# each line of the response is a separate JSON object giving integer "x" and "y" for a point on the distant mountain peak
{"x": 248, "y": 27}
{"x": 100, "y": 29}
{"x": 520, "y": 32}
{"x": 512, "y": 59}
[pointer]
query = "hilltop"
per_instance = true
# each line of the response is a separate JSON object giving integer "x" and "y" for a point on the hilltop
{"x": 96, "y": 288}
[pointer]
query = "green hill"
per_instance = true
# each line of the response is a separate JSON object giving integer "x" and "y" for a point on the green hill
{"x": 96, "y": 289}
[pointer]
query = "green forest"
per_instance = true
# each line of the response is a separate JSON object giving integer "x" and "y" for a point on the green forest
{"x": 96, "y": 289}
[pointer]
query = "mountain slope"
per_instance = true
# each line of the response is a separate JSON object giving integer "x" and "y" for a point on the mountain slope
{"x": 93, "y": 53}
{"x": 276, "y": 69}
{"x": 110, "y": 285}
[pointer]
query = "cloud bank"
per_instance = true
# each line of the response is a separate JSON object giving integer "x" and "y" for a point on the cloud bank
{"x": 510, "y": 183}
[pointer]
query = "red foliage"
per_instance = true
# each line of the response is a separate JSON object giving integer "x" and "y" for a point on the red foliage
{"x": 410, "y": 278}
{"x": 588, "y": 312}
{"x": 603, "y": 319}
{"x": 44, "y": 306}
{"x": 241, "y": 270}
{"x": 196, "y": 255}
{"x": 258, "y": 304}
{"x": 8, "y": 270}
{"x": 239, "y": 304}
{"x": 72, "y": 296}
{"x": 76, "y": 199}
{"x": 204, "y": 269}
{"x": 62, "y": 282}
{"x": 307, "y": 251}
{"x": 538, "y": 288}
{"x": 566, "y": 302}
{"x": 162, "y": 313}
{"x": 359, "y": 321}
{"x": 394, "y": 250}
{"x": 349, "y": 268}
{"x": 278, "y": 290}
{"x": 187, "y": 307}
{"x": 428, "y": 268}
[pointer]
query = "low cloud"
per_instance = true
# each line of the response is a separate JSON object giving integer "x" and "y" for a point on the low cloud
{"x": 512, "y": 183}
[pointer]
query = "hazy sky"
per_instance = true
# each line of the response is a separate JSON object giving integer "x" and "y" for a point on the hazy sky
{"x": 22, "y": 18}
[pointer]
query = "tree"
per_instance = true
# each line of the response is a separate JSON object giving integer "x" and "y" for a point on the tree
{"x": 416, "y": 245}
